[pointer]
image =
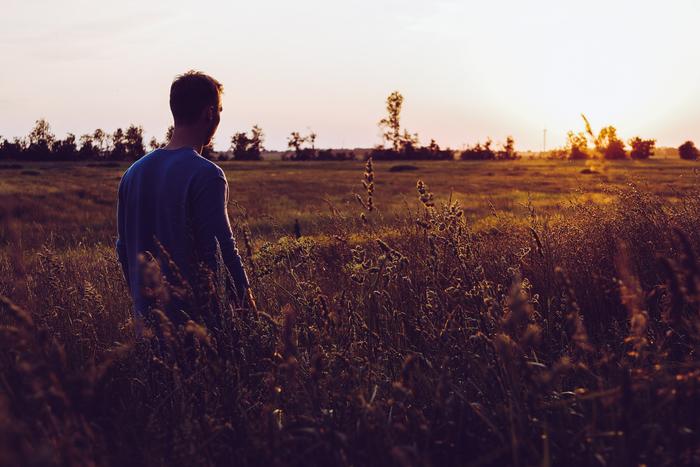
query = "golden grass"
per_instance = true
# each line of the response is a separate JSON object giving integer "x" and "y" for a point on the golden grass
{"x": 431, "y": 333}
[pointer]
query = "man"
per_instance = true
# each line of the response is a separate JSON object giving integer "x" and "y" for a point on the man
{"x": 176, "y": 198}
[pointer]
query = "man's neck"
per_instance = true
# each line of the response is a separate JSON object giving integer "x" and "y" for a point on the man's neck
{"x": 184, "y": 138}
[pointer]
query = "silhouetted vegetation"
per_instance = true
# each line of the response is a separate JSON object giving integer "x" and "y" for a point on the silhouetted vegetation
{"x": 604, "y": 145}
{"x": 688, "y": 151}
{"x": 641, "y": 148}
{"x": 404, "y": 144}
{"x": 298, "y": 144}
{"x": 155, "y": 144}
{"x": 247, "y": 148}
{"x": 609, "y": 145}
{"x": 484, "y": 152}
{"x": 42, "y": 145}
{"x": 304, "y": 147}
{"x": 577, "y": 146}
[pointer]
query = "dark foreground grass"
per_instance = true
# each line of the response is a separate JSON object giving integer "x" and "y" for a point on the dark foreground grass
{"x": 564, "y": 336}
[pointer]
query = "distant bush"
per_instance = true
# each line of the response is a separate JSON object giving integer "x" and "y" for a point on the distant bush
{"x": 412, "y": 153}
{"x": 42, "y": 145}
{"x": 480, "y": 152}
{"x": 297, "y": 142}
{"x": 245, "y": 148}
{"x": 688, "y": 151}
{"x": 404, "y": 145}
{"x": 608, "y": 145}
{"x": 508, "y": 150}
{"x": 577, "y": 146}
{"x": 641, "y": 148}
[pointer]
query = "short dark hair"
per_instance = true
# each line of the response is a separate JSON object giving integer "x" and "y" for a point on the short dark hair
{"x": 191, "y": 93}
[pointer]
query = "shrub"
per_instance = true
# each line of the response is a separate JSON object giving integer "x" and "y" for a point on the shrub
{"x": 688, "y": 151}
{"x": 641, "y": 148}
{"x": 478, "y": 152}
{"x": 577, "y": 145}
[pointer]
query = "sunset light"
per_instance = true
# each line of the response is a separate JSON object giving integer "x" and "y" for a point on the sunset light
{"x": 468, "y": 69}
{"x": 370, "y": 233}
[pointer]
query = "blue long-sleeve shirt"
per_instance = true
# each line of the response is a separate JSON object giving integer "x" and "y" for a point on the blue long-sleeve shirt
{"x": 180, "y": 198}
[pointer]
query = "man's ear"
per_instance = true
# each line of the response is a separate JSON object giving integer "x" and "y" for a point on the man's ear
{"x": 210, "y": 113}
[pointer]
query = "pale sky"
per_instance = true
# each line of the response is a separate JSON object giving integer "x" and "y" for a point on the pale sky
{"x": 467, "y": 69}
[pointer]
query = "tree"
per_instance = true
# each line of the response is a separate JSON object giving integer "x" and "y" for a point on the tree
{"x": 239, "y": 145}
{"x": 577, "y": 145}
{"x": 408, "y": 142}
{"x": 688, "y": 151}
{"x": 257, "y": 139}
{"x": 296, "y": 142}
{"x": 65, "y": 149}
{"x": 12, "y": 150}
{"x": 508, "y": 150}
{"x": 100, "y": 140}
{"x": 134, "y": 142}
{"x": 119, "y": 151}
{"x": 153, "y": 144}
{"x": 606, "y": 144}
{"x": 609, "y": 145}
{"x": 392, "y": 123}
{"x": 641, "y": 148}
{"x": 40, "y": 140}
{"x": 478, "y": 152}
{"x": 247, "y": 148}
{"x": 88, "y": 150}
{"x": 434, "y": 147}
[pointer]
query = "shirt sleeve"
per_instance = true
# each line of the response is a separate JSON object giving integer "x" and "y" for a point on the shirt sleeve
{"x": 211, "y": 224}
{"x": 120, "y": 245}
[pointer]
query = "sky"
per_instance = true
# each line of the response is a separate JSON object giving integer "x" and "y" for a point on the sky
{"x": 468, "y": 70}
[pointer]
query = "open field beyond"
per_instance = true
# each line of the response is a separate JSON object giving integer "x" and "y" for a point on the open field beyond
{"x": 69, "y": 203}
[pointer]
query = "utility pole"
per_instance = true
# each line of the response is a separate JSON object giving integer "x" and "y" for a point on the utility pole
{"x": 544, "y": 140}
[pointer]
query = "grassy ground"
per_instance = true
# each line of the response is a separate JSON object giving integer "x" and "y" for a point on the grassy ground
{"x": 550, "y": 317}
{"x": 73, "y": 203}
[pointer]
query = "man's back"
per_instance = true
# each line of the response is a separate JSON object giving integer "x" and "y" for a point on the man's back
{"x": 178, "y": 197}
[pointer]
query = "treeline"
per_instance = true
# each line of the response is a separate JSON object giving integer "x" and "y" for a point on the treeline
{"x": 399, "y": 144}
{"x": 606, "y": 144}
{"x": 404, "y": 145}
{"x": 41, "y": 144}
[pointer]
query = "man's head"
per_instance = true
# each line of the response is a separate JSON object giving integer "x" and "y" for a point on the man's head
{"x": 195, "y": 101}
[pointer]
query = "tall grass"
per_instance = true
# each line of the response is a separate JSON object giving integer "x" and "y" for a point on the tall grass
{"x": 419, "y": 340}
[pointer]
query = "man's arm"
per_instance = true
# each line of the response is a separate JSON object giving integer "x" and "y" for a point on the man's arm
{"x": 120, "y": 246}
{"x": 211, "y": 223}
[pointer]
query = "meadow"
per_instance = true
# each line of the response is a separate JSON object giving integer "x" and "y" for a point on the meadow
{"x": 494, "y": 313}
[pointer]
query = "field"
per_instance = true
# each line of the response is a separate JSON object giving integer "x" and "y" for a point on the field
{"x": 75, "y": 203}
{"x": 524, "y": 312}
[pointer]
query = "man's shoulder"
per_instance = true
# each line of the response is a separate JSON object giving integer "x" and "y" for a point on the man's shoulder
{"x": 208, "y": 168}
{"x": 181, "y": 161}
